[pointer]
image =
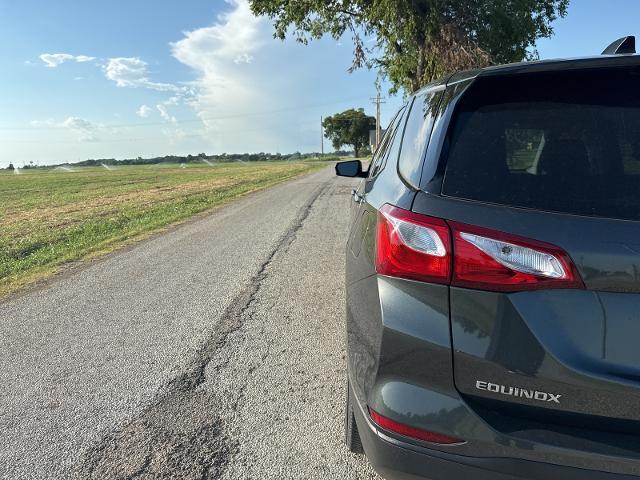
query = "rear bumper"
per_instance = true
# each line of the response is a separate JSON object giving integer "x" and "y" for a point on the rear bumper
{"x": 397, "y": 460}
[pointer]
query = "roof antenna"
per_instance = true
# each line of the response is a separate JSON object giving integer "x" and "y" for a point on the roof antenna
{"x": 621, "y": 46}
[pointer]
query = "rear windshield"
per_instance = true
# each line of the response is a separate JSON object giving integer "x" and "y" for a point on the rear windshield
{"x": 565, "y": 142}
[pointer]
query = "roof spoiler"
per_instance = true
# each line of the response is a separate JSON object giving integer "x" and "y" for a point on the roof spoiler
{"x": 621, "y": 46}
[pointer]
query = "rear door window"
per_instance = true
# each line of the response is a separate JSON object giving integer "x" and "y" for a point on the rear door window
{"x": 382, "y": 153}
{"x": 416, "y": 136}
{"x": 564, "y": 142}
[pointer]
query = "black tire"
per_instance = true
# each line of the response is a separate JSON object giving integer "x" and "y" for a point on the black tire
{"x": 352, "y": 437}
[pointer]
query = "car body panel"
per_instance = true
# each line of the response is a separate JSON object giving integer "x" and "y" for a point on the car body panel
{"x": 416, "y": 351}
{"x": 605, "y": 251}
{"x": 399, "y": 459}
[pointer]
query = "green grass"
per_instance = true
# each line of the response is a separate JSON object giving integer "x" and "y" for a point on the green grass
{"x": 51, "y": 217}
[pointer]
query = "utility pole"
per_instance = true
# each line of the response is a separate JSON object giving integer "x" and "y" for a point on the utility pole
{"x": 377, "y": 100}
{"x": 321, "y": 138}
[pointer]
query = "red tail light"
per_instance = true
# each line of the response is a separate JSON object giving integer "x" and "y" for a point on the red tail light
{"x": 419, "y": 247}
{"x": 490, "y": 260}
{"x": 408, "y": 431}
{"x": 413, "y": 246}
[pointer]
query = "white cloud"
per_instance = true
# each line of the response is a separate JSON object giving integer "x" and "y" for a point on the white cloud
{"x": 52, "y": 60}
{"x": 43, "y": 123}
{"x": 132, "y": 72}
{"x": 165, "y": 114}
{"x": 126, "y": 72}
{"x": 144, "y": 111}
{"x": 225, "y": 87}
{"x": 243, "y": 58}
{"x": 175, "y": 135}
{"x": 234, "y": 36}
{"x": 84, "y": 129}
{"x": 246, "y": 80}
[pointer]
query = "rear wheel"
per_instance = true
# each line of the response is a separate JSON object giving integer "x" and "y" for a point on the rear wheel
{"x": 352, "y": 437}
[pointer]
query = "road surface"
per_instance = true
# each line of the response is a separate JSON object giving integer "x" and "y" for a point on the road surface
{"x": 214, "y": 350}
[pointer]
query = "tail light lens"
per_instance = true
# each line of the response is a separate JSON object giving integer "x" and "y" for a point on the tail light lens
{"x": 490, "y": 260}
{"x": 412, "y": 246}
{"x": 413, "y": 432}
{"x": 419, "y": 247}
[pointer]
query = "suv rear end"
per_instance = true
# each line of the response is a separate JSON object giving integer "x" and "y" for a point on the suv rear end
{"x": 493, "y": 278}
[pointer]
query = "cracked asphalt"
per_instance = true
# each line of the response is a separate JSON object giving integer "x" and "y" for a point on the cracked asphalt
{"x": 213, "y": 350}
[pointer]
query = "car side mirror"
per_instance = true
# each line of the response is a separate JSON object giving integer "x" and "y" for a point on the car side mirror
{"x": 352, "y": 168}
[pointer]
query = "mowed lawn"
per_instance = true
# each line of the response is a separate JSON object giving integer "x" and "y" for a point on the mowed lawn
{"x": 50, "y": 217}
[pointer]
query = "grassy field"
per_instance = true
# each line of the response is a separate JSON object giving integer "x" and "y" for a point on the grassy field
{"x": 51, "y": 217}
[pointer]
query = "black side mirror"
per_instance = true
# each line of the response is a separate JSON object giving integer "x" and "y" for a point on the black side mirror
{"x": 352, "y": 168}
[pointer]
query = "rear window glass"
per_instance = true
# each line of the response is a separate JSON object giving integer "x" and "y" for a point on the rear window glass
{"x": 566, "y": 142}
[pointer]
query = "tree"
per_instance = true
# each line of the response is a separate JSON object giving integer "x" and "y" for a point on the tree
{"x": 350, "y": 127}
{"x": 10, "y": 167}
{"x": 416, "y": 41}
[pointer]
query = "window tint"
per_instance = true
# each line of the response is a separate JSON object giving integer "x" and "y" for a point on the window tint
{"x": 566, "y": 142}
{"x": 628, "y": 137}
{"x": 382, "y": 153}
{"x": 416, "y": 136}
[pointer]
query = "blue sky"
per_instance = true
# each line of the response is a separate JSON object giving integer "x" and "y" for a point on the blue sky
{"x": 155, "y": 77}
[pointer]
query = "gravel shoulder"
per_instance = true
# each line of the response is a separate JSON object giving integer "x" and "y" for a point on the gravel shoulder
{"x": 288, "y": 420}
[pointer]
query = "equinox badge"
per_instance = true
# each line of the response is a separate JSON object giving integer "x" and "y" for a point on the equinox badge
{"x": 518, "y": 392}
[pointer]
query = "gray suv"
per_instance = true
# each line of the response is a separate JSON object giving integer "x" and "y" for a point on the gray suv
{"x": 493, "y": 277}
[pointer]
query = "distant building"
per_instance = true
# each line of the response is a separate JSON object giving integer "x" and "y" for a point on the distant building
{"x": 372, "y": 138}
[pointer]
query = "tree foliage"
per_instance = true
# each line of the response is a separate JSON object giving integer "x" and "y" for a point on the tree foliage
{"x": 350, "y": 127}
{"x": 416, "y": 41}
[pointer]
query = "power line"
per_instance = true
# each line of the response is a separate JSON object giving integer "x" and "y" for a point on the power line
{"x": 122, "y": 138}
{"x": 118, "y": 138}
{"x": 195, "y": 120}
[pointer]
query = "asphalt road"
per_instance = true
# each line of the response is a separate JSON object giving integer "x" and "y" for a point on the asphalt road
{"x": 214, "y": 350}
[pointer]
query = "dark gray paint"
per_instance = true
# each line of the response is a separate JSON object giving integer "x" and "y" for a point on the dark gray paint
{"x": 416, "y": 350}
